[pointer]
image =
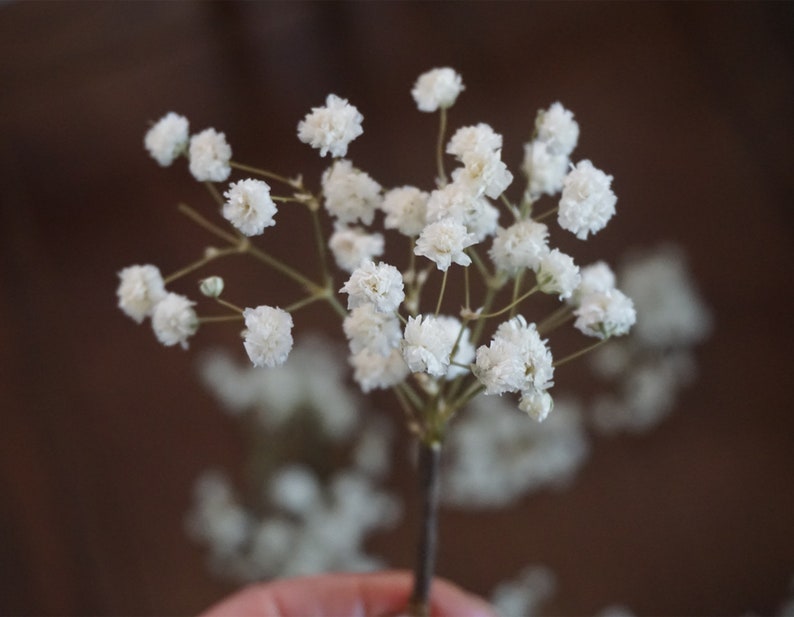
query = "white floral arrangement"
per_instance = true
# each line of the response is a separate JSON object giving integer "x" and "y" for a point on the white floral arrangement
{"x": 394, "y": 314}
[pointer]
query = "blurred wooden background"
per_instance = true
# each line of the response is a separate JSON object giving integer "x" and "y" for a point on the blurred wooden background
{"x": 102, "y": 431}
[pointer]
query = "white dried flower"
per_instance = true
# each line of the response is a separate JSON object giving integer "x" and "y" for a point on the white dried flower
{"x": 209, "y": 156}
{"x": 331, "y": 128}
{"x": 437, "y": 88}
{"x": 458, "y": 202}
{"x": 168, "y": 138}
{"x": 268, "y": 335}
{"x": 670, "y": 309}
{"x": 544, "y": 170}
{"x": 375, "y": 371}
{"x": 516, "y": 360}
{"x": 537, "y": 403}
{"x": 212, "y": 286}
{"x": 605, "y": 313}
{"x": 558, "y": 274}
{"x": 427, "y": 344}
{"x": 350, "y": 194}
{"x": 494, "y": 456}
{"x": 381, "y": 285}
{"x": 353, "y": 245}
{"x": 444, "y": 242}
{"x": 366, "y": 328}
{"x": 520, "y": 246}
{"x": 596, "y": 277}
{"x": 471, "y": 141}
{"x": 174, "y": 320}
{"x": 249, "y": 206}
{"x": 484, "y": 174}
{"x": 479, "y": 149}
{"x": 587, "y": 202}
{"x": 557, "y": 129}
{"x": 140, "y": 289}
{"x": 296, "y": 489}
{"x": 406, "y": 210}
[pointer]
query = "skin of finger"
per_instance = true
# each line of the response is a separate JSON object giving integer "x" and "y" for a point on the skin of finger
{"x": 349, "y": 595}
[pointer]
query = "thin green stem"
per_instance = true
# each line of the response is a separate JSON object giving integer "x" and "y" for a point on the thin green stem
{"x": 545, "y": 215}
{"x": 442, "y": 129}
{"x": 199, "y": 263}
{"x": 305, "y": 302}
{"x": 441, "y": 292}
{"x": 274, "y": 263}
{"x": 265, "y": 174}
{"x": 213, "y": 190}
{"x": 579, "y": 353}
{"x": 229, "y": 305}
{"x": 218, "y": 318}
{"x": 556, "y": 319}
{"x": 203, "y": 222}
{"x": 320, "y": 243}
{"x": 516, "y": 289}
{"x": 514, "y": 303}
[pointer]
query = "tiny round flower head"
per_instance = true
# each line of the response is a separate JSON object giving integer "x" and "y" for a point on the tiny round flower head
{"x": 437, "y": 88}
{"x": 596, "y": 277}
{"x": 366, "y": 328}
{"x": 605, "y": 313}
{"x": 484, "y": 174}
{"x": 140, "y": 289}
{"x": 537, "y": 403}
{"x": 520, "y": 246}
{"x": 380, "y": 285}
{"x": 544, "y": 170}
{"x": 352, "y": 245}
{"x": 268, "y": 335}
{"x": 350, "y": 194}
{"x": 427, "y": 345}
{"x": 331, "y": 128}
{"x": 517, "y": 359}
{"x": 167, "y": 139}
{"x": 558, "y": 274}
{"x": 406, "y": 210}
{"x": 374, "y": 371}
{"x": 557, "y": 128}
{"x": 212, "y": 286}
{"x": 443, "y": 242}
{"x": 459, "y": 202}
{"x": 174, "y": 320}
{"x": 209, "y": 156}
{"x": 249, "y": 206}
{"x": 470, "y": 141}
{"x": 587, "y": 202}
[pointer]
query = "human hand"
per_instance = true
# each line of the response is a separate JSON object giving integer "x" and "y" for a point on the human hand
{"x": 381, "y": 594}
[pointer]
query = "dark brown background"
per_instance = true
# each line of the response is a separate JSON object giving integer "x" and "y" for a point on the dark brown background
{"x": 689, "y": 106}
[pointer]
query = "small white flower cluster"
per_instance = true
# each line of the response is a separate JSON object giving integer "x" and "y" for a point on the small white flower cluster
{"x": 518, "y": 360}
{"x": 390, "y": 336}
{"x": 314, "y": 528}
{"x": 141, "y": 293}
{"x": 529, "y": 593}
{"x": 650, "y": 367}
{"x": 494, "y": 456}
{"x": 310, "y": 383}
{"x": 208, "y": 152}
{"x": 332, "y": 127}
{"x": 602, "y": 310}
{"x": 307, "y": 524}
{"x": 525, "y": 595}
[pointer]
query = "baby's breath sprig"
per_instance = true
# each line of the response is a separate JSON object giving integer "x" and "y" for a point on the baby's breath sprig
{"x": 399, "y": 338}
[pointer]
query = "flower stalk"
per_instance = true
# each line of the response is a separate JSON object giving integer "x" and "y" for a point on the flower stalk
{"x": 429, "y": 464}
